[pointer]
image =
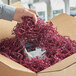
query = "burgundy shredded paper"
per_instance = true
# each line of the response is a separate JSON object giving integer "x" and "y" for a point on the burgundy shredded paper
{"x": 40, "y": 35}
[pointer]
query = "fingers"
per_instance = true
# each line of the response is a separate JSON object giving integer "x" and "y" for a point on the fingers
{"x": 35, "y": 18}
{"x": 31, "y": 14}
{"x": 33, "y": 11}
{"x": 20, "y": 12}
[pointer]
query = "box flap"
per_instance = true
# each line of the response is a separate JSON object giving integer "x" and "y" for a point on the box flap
{"x": 7, "y": 71}
{"x": 70, "y": 71}
{"x": 62, "y": 64}
{"x": 12, "y": 64}
{"x": 18, "y": 4}
{"x": 66, "y": 25}
{"x": 6, "y": 27}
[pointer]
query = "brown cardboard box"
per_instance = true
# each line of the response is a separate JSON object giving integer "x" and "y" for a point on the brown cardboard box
{"x": 66, "y": 26}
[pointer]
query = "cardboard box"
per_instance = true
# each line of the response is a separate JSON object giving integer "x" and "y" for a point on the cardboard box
{"x": 66, "y": 26}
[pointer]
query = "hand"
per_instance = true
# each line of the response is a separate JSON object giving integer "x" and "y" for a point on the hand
{"x": 20, "y": 12}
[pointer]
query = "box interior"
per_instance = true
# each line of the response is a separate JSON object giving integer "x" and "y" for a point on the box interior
{"x": 65, "y": 24}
